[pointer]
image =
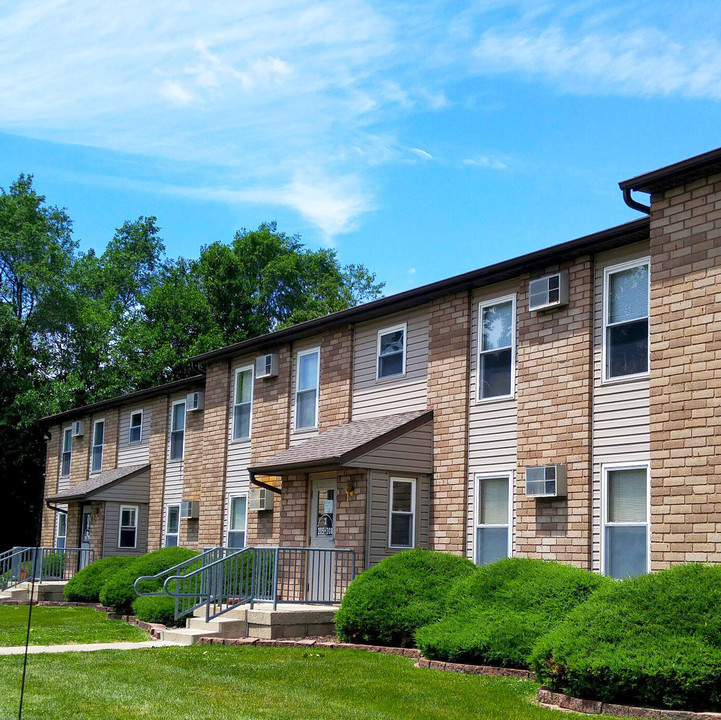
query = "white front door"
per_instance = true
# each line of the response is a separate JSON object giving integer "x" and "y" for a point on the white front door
{"x": 86, "y": 519}
{"x": 321, "y": 560}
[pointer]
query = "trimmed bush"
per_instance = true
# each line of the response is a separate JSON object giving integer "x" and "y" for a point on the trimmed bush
{"x": 495, "y": 615}
{"x": 159, "y": 609}
{"x": 119, "y": 592}
{"x": 654, "y": 640}
{"x": 386, "y": 604}
{"x": 85, "y": 586}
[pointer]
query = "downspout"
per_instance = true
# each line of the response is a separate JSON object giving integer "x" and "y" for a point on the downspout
{"x": 634, "y": 204}
{"x": 55, "y": 508}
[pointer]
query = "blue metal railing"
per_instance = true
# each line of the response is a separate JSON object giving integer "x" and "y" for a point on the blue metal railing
{"x": 23, "y": 564}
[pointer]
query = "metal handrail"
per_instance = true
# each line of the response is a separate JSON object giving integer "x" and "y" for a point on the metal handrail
{"x": 41, "y": 563}
{"x": 191, "y": 561}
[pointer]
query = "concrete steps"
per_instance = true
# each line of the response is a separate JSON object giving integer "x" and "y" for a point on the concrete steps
{"x": 49, "y": 591}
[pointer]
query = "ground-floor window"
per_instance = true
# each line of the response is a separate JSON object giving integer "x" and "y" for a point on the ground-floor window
{"x": 402, "y": 516}
{"x": 61, "y": 530}
{"x": 237, "y": 519}
{"x": 172, "y": 525}
{"x": 625, "y": 521}
{"x": 493, "y": 518}
{"x": 128, "y": 533}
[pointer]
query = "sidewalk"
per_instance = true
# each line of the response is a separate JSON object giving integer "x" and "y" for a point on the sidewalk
{"x": 37, "y": 649}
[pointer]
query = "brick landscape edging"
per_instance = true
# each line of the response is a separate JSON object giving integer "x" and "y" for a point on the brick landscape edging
{"x": 309, "y": 642}
{"x": 550, "y": 699}
{"x": 475, "y": 669}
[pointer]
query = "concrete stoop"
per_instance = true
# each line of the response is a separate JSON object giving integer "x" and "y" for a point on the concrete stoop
{"x": 49, "y": 591}
{"x": 262, "y": 622}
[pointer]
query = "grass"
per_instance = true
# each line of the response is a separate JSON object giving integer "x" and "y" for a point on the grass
{"x": 224, "y": 683}
{"x": 63, "y": 625}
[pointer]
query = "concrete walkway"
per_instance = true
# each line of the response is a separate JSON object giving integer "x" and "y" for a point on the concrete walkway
{"x": 37, "y": 649}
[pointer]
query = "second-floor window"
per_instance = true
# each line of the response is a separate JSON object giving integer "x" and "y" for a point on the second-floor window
{"x": 626, "y": 320}
{"x": 67, "y": 452}
{"x": 243, "y": 403}
{"x": 96, "y": 464}
{"x": 391, "y": 352}
{"x": 135, "y": 431}
{"x": 306, "y": 393}
{"x": 497, "y": 348}
{"x": 177, "y": 430}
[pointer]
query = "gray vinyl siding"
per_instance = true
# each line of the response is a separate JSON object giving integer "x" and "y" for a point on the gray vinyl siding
{"x": 621, "y": 427}
{"x": 373, "y": 397}
{"x": 133, "y": 491}
{"x": 378, "y": 514}
{"x": 411, "y": 453}
{"x": 111, "y": 529}
{"x": 492, "y": 424}
{"x": 133, "y": 453}
{"x": 299, "y": 436}
{"x": 173, "y": 490}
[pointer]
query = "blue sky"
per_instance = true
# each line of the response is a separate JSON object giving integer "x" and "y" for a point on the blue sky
{"x": 420, "y": 139}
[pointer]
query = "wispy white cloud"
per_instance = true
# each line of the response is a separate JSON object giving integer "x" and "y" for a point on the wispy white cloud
{"x": 485, "y": 161}
{"x": 421, "y": 154}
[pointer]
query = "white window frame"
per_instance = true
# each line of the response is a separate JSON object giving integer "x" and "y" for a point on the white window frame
{"x": 136, "y": 527}
{"x": 479, "y": 345}
{"x": 303, "y": 353}
{"x": 607, "y": 272}
{"x": 185, "y": 427}
{"x": 130, "y": 426}
{"x": 478, "y": 479}
{"x": 388, "y": 331}
{"x": 394, "y": 479}
{"x": 66, "y": 430}
{"x": 167, "y": 525}
{"x": 230, "y": 515}
{"x": 93, "y": 470}
{"x": 605, "y": 468}
{"x": 60, "y": 515}
{"x": 238, "y": 371}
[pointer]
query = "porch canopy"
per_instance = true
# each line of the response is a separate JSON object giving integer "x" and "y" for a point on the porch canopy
{"x": 389, "y": 440}
{"x": 131, "y": 480}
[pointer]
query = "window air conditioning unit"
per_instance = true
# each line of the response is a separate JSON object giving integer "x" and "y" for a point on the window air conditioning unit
{"x": 548, "y": 292}
{"x": 546, "y": 481}
{"x": 189, "y": 509}
{"x": 78, "y": 428}
{"x": 195, "y": 401}
{"x": 261, "y": 499}
{"x": 266, "y": 366}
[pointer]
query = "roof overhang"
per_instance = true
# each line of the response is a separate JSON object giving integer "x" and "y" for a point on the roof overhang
{"x": 97, "y": 484}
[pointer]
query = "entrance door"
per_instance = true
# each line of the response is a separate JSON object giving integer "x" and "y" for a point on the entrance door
{"x": 86, "y": 519}
{"x": 321, "y": 560}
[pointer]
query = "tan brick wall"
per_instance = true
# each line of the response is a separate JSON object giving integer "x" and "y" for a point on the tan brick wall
{"x": 193, "y": 470}
{"x": 97, "y": 528}
{"x": 158, "y": 456}
{"x": 52, "y": 469}
{"x": 110, "y": 438}
{"x": 554, "y": 389}
{"x": 294, "y": 508}
{"x": 264, "y": 527}
{"x": 685, "y": 380}
{"x": 350, "y": 520}
{"x": 336, "y": 372}
{"x": 448, "y": 365}
{"x": 214, "y": 453}
{"x": 73, "y": 525}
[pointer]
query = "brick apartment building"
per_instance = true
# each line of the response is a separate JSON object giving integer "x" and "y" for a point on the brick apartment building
{"x": 565, "y": 404}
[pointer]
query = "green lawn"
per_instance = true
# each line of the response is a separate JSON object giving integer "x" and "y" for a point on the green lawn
{"x": 219, "y": 682}
{"x": 63, "y": 625}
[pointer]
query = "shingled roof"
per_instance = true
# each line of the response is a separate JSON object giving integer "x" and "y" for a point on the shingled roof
{"x": 343, "y": 443}
{"x": 101, "y": 481}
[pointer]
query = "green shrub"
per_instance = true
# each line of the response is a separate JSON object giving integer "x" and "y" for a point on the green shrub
{"x": 159, "y": 609}
{"x": 654, "y": 640}
{"x": 386, "y": 604}
{"x": 85, "y": 586}
{"x": 119, "y": 591}
{"x": 495, "y": 615}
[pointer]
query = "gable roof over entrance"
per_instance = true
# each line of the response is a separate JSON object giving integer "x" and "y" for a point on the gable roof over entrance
{"x": 99, "y": 483}
{"x": 343, "y": 444}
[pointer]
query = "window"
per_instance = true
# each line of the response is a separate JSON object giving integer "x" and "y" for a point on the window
{"x": 306, "y": 394}
{"x": 61, "y": 530}
{"x": 177, "y": 430}
{"x": 172, "y": 525}
{"x": 493, "y": 518}
{"x": 236, "y": 521}
{"x": 497, "y": 348}
{"x": 626, "y": 320}
{"x": 96, "y": 463}
{"x": 243, "y": 403}
{"x": 128, "y": 535}
{"x": 391, "y": 352}
{"x": 403, "y": 503}
{"x": 67, "y": 452}
{"x": 626, "y": 528}
{"x": 135, "y": 431}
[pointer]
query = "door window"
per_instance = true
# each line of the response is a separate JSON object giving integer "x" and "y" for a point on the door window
{"x": 325, "y": 514}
